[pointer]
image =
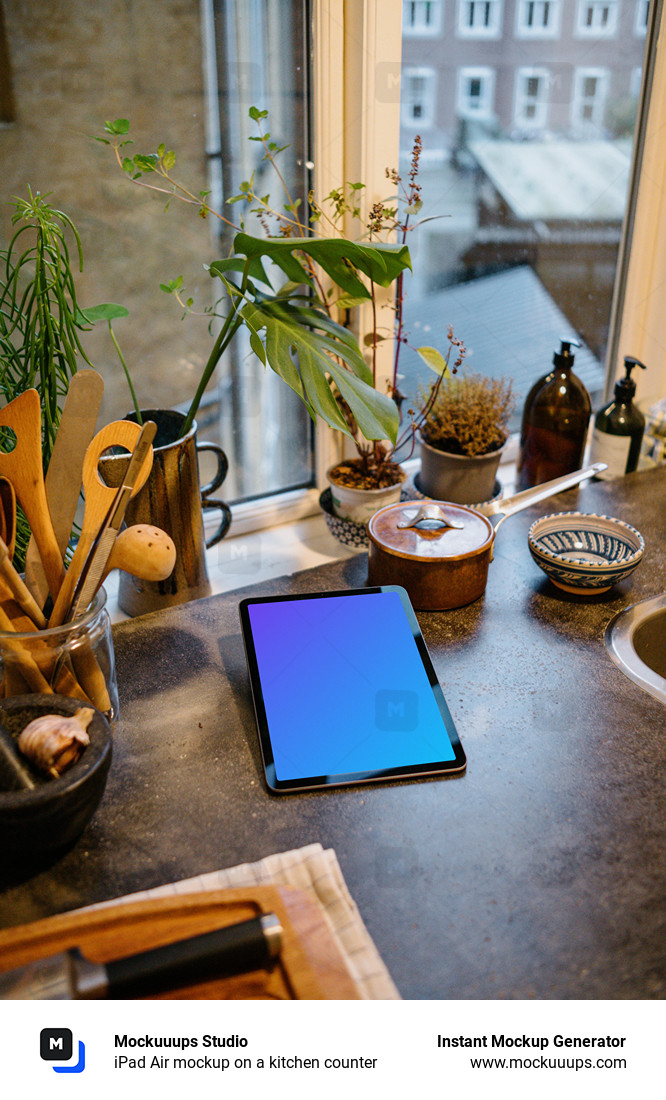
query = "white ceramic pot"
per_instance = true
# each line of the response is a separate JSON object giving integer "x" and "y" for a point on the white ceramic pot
{"x": 359, "y": 505}
{"x": 461, "y": 479}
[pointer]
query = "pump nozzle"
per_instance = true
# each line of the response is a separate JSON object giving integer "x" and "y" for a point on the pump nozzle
{"x": 565, "y": 356}
{"x": 625, "y": 388}
{"x": 629, "y": 364}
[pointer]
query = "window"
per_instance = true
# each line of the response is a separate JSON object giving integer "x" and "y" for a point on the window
{"x": 479, "y": 18}
{"x": 589, "y": 100}
{"x": 418, "y": 97}
{"x": 421, "y": 17}
{"x": 255, "y": 53}
{"x": 531, "y": 104}
{"x": 596, "y": 18}
{"x": 641, "y": 16}
{"x": 523, "y": 217}
{"x": 538, "y": 18}
{"x": 475, "y": 92}
{"x": 458, "y": 252}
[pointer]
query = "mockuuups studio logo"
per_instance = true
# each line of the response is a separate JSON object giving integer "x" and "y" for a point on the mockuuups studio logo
{"x": 396, "y": 711}
{"x": 56, "y": 1044}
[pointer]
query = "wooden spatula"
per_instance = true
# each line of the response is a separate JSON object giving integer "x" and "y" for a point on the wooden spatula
{"x": 23, "y": 467}
{"x": 63, "y": 477}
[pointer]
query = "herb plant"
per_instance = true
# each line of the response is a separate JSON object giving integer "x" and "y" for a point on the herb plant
{"x": 41, "y": 322}
{"x": 468, "y": 414}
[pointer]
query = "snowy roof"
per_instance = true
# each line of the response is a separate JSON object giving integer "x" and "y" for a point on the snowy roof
{"x": 558, "y": 180}
{"x": 509, "y": 323}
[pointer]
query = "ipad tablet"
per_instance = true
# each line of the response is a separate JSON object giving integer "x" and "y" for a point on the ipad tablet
{"x": 344, "y": 690}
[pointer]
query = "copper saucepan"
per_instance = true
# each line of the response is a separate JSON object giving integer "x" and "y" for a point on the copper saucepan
{"x": 440, "y": 552}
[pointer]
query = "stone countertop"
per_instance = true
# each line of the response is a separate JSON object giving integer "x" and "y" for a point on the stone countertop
{"x": 540, "y": 873}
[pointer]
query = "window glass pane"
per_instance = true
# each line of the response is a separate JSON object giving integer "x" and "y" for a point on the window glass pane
{"x": 525, "y": 203}
{"x": 184, "y": 74}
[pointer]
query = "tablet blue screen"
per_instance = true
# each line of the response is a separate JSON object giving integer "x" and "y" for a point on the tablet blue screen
{"x": 344, "y": 686}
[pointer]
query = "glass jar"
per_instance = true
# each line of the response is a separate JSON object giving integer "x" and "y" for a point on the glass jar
{"x": 76, "y": 659}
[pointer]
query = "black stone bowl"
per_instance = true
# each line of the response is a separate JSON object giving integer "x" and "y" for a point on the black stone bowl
{"x": 39, "y": 823}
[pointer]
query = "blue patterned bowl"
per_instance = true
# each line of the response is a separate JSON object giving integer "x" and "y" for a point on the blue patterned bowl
{"x": 585, "y": 553}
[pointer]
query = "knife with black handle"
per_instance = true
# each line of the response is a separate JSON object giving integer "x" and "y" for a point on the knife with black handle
{"x": 250, "y": 945}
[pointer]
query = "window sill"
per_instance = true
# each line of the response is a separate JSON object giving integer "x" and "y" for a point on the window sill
{"x": 248, "y": 557}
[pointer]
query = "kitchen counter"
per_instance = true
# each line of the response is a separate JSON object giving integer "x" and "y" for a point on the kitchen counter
{"x": 540, "y": 873}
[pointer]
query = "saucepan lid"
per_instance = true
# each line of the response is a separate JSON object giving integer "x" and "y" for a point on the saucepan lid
{"x": 430, "y": 531}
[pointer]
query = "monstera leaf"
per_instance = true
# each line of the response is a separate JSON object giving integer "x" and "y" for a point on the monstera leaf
{"x": 313, "y": 354}
{"x": 309, "y": 352}
{"x": 338, "y": 257}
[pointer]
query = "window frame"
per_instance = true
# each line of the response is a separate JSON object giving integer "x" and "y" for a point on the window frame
{"x": 578, "y": 98}
{"x": 486, "y": 75}
{"x": 637, "y": 312}
{"x": 521, "y": 98}
{"x": 420, "y": 29}
{"x": 524, "y": 30}
{"x": 493, "y": 28}
{"x": 584, "y": 30}
{"x": 365, "y": 93}
{"x": 641, "y": 17}
{"x": 429, "y": 97}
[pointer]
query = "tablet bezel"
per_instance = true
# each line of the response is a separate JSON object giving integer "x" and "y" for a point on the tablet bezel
{"x": 286, "y": 786}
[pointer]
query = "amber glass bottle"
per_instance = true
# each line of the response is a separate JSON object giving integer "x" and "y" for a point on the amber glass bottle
{"x": 555, "y": 422}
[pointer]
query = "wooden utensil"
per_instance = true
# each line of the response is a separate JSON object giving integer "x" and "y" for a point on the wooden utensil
{"x": 23, "y": 467}
{"x": 63, "y": 477}
{"x": 98, "y": 499}
{"x": 92, "y": 572}
{"x": 12, "y": 581}
{"x": 8, "y": 515}
{"x": 144, "y": 551}
{"x": 32, "y": 664}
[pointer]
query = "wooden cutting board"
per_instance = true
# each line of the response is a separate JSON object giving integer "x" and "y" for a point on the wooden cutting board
{"x": 310, "y": 966}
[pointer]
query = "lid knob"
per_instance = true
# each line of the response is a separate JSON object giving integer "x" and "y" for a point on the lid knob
{"x": 429, "y": 517}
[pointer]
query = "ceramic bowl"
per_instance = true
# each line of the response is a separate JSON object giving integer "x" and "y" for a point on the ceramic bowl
{"x": 585, "y": 553}
{"x": 43, "y": 821}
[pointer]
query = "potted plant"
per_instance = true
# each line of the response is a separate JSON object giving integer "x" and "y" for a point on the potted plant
{"x": 293, "y": 327}
{"x": 463, "y": 428}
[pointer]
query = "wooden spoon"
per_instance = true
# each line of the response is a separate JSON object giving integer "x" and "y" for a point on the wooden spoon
{"x": 63, "y": 477}
{"x": 144, "y": 551}
{"x": 23, "y": 467}
{"x": 98, "y": 499}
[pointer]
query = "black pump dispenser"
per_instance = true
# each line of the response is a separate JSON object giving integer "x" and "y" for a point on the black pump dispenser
{"x": 619, "y": 427}
{"x": 625, "y": 388}
{"x": 555, "y": 421}
{"x": 565, "y": 357}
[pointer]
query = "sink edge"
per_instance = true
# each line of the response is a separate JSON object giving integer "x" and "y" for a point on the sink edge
{"x": 619, "y": 644}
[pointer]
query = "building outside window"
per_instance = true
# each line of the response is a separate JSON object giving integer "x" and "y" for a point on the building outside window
{"x": 421, "y": 17}
{"x": 479, "y": 18}
{"x": 596, "y": 18}
{"x": 531, "y": 109}
{"x": 538, "y": 18}
{"x": 528, "y": 208}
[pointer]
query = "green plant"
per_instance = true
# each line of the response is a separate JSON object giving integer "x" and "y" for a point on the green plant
{"x": 41, "y": 323}
{"x": 290, "y": 326}
{"x": 467, "y": 414}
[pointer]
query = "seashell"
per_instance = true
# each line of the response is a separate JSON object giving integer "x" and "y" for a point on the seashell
{"x": 53, "y": 742}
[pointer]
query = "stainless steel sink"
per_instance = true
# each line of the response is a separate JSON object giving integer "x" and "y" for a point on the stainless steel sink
{"x": 636, "y": 641}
